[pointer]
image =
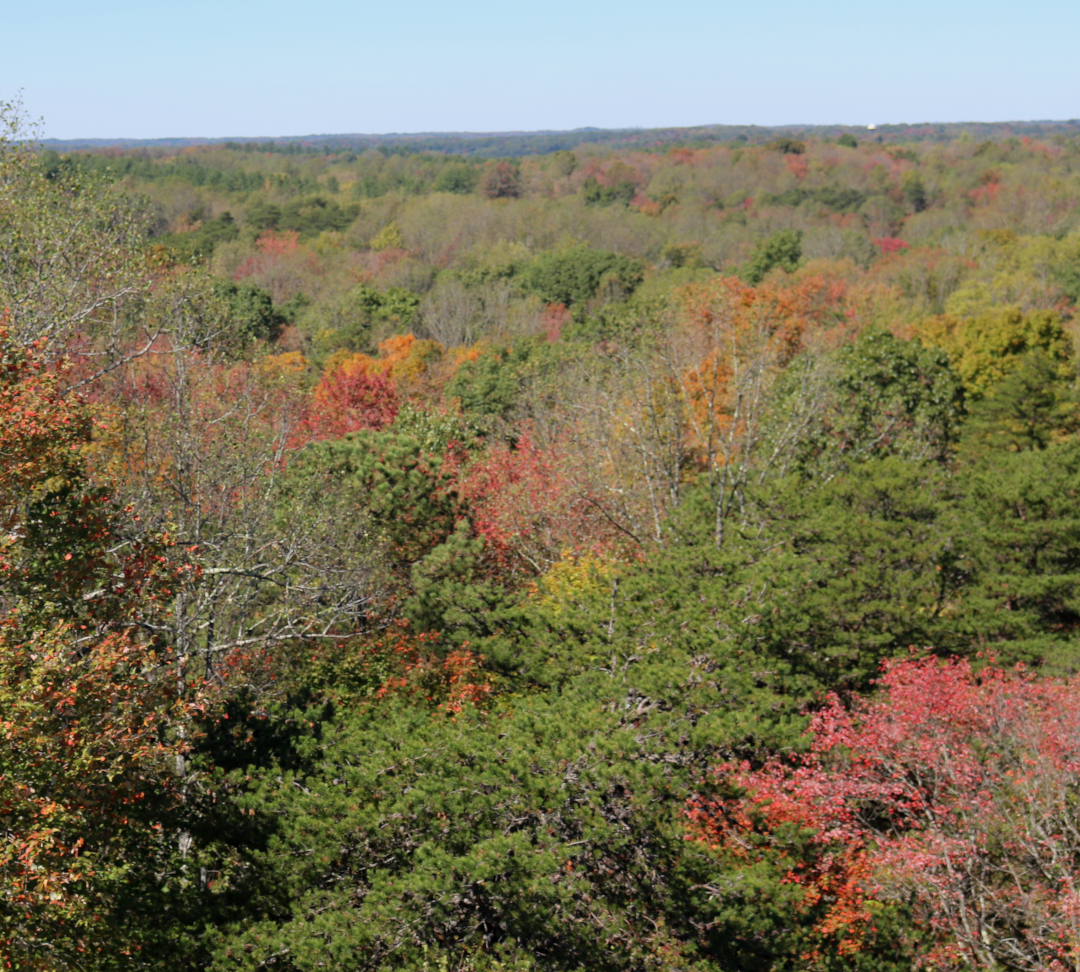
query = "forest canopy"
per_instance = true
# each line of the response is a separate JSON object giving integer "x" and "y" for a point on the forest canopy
{"x": 541, "y": 556}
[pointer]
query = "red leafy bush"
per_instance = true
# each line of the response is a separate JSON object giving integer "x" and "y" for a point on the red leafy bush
{"x": 951, "y": 792}
{"x": 890, "y": 245}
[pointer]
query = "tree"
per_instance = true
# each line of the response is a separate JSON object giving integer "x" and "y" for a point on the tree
{"x": 349, "y": 398}
{"x": 985, "y": 349}
{"x": 1027, "y": 411}
{"x": 882, "y": 396}
{"x": 946, "y": 791}
{"x": 88, "y": 693}
{"x": 202, "y": 446}
{"x": 787, "y": 146}
{"x": 783, "y": 249}
{"x": 544, "y": 833}
{"x": 408, "y": 492}
{"x": 457, "y": 178}
{"x": 1022, "y": 524}
{"x": 500, "y": 180}
{"x": 490, "y": 384}
{"x": 736, "y": 341}
{"x": 839, "y": 577}
{"x": 577, "y": 274}
{"x": 596, "y": 194}
{"x": 915, "y": 191}
{"x": 251, "y": 312}
{"x": 70, "y": 260}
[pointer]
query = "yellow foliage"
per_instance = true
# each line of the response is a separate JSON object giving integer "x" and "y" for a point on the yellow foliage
{"x": 985, "y": 349}
{"x": 286, "y": 365}
{"x": 571, "y": 580}
{"x": 1015, "y": 270}
{"x": 388, "y": 238}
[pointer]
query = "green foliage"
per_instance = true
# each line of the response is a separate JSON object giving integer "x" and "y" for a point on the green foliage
{"x": 450, "y": 593}
{"x": 547, "y": 832}
{"x": 307, "y": 216}
{"x": 682, "y": 254}
{"x": 915, "y": 191}
{"x": 251, "y": 312}
{"x": 411, "y": 500}
{"x": 836, "y": 198}
{"x": 783, "y": 249}
{"x": 787, "y": 146}
{"x": 1022, "y": 523}
{"x": 1031, "y": 408}
{"x": 87, "y": 706}
{"x": 200, "y": 242}
{"x": 1068, "y": 277}
{"x": 595, "y": 194}
{"x": 70, "y": 244}
{"x": 361, "y": 315}
{"x": 439, "y": 432}
{"x": 830, "y": 581}
{"x": 439, "y": 760}
{"x": 576, "y": 275}
{"x": 490, "y": 384}
{"x": 563, "y": 162}
{"x": 885, "y": 397}
{"x": 460, "y": 179}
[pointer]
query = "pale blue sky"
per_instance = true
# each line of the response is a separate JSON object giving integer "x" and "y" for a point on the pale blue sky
{"x": 119, "y": 68}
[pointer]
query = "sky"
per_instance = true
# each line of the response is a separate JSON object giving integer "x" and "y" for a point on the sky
{"x": 118, "y": 69}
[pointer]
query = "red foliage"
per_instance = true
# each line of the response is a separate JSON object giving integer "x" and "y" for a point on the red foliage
{"x": 350, "y": 398}
{"x": 987, "y": 192}
{"x": 949, "y": 791}
{"x": 278, "y": 244}
{"x": 798, "y": 165}
{"x": 527, "y": 507}
{"x": 890, "y": 245}
{"x": 84, "y": 694}
{"x": 555, "y": 318}
{"x": 281, "y": 266}
{"x": 500, "y": 180}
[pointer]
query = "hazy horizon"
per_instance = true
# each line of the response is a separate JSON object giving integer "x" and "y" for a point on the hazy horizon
{"x": 244, "y": 69}
{"x": 316, "y": 137}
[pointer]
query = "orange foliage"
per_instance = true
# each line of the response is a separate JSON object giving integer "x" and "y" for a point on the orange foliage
{"x": 737, "y": 333}
{"x": 420, "y": 672}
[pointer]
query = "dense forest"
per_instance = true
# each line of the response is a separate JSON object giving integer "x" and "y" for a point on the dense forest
{"x": 607, "y": 557}
{"x": 499, "y": 144}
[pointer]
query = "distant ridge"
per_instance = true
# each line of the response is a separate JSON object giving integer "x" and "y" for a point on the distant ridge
{"x": 493, "y": 144}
